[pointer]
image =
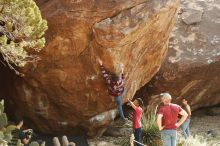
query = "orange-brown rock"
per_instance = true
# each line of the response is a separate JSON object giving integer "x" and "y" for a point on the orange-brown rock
{"x": 64, "y": 92}
{"x": 192, "y": 66}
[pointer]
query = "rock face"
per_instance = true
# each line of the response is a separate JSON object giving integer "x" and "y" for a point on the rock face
{"x": 65, "y": 92}
{"x": 192, "y": 66}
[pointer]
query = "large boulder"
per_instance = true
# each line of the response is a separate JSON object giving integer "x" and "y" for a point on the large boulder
{"x": 192, "y": 66}
{"x": 64, "y": 92}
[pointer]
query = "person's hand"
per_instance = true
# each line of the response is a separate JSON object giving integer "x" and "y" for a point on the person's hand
{"x": 161, "y": 128}
{"x": 122, "y": 70}
{"x": 29, "y": 136}
{"x": 128, "y": 102}
{"x": 177, "y": 125}
{"x": 121, "y": 67}
{"x": 99, "y": 61}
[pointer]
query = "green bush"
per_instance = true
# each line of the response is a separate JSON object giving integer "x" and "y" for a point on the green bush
{"x": 21, "y": 29}
{"x": 150, "y": 131}
{"x": 5, "y": 130}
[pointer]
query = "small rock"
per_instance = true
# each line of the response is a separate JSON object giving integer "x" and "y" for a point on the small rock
{"x": 117, "y": 132}
{"x": 192, "y": 16}
{"x": 119, "y": 128}
{"x": 211, "y": 133}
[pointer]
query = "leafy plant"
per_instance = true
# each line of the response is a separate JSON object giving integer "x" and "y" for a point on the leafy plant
{"x": 150, "y": 131}
{"x": 21, "y": 29}
{"x": 5, "y": 130}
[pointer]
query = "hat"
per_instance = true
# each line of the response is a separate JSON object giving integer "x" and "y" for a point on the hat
{"x": 140, "y": 101}
{"x": 165, "y": 96}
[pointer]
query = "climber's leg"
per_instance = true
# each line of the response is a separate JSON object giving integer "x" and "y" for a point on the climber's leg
{"x": 119, "y": 104}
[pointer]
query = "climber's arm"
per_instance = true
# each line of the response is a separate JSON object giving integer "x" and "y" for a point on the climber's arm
{"x": 104, "y": 72}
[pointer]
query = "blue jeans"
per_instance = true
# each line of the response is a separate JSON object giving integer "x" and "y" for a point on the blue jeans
{"x": 119, "y": 104}
{"x": 185, "y": 128}
{"x": 137, "y": 135}
{"x": 169, "y": 137}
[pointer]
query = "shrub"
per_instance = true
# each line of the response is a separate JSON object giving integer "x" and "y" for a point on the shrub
{"x": 150, "y": 132}
{"x": 192, "y": 141}
{"x": 21, "y": 29}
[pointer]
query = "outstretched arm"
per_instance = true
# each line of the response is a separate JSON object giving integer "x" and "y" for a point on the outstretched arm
{"x": 122, "y": 72}
{"x": 104, "y": 72}
{"x": 131, "y": 103}
{"x": 26, "y": 130}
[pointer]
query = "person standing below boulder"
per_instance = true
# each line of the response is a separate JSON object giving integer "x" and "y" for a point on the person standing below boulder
{"x": 167, "y": 116}
{"x": 115, "y": 87}
{"x": 185, "y": 126}
{"x": 137, "y": 113}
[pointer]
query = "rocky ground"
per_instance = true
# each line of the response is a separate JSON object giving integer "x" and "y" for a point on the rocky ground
{"x": 204, "y": 120}
{"x": 201, "y": 125}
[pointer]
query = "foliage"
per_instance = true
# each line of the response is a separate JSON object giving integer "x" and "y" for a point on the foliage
{"x": 200, "y": 140}
{"x": 191, "y": 141}
{"x": 150, "y": 132}
{"x": 21, "y": 29}
{"x": 5, "y": 129}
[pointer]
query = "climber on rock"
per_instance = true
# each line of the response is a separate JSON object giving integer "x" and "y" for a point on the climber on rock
{"x": 115, "y": 86}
